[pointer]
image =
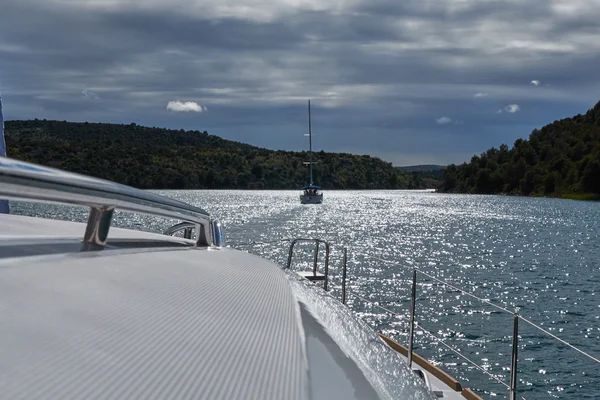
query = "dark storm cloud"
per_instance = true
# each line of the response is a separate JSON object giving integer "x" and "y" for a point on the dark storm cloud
{"x": 387, "y": 69}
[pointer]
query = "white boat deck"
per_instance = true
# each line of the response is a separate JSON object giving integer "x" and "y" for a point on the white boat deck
{"x": 142, "y": 323}
{"x": 151, "y": 317}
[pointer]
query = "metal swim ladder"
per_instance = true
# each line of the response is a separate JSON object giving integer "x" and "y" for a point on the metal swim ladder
{"x": 315, "y": 275}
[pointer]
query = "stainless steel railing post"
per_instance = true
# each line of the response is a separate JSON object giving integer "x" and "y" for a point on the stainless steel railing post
{"x": 291, "y": 253}
{"x": 325, "y": 284}
{"x": 513, "y": 364}
{"x": 344, "y": 267}
{"x": 413, "y": 298}
{"x": 96, "y": 231}
{"x": 316, "y": 258}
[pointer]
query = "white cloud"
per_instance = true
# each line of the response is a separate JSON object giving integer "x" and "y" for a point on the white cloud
{"x": 535, "y": 82}
{"x": 252, "y": 10}
{"x": 443, "y": 120}
{"x": 512, "y": 108}
{"x": 88, "y": 94}
{"x": 480, "y": 94}
{"x": 185, "y": 106}
{"x": 499, "y": 111}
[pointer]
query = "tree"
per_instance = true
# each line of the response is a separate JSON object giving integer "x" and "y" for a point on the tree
{"x": 560, "y": 158}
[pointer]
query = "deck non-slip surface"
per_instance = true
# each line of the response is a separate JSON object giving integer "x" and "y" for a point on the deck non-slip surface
{"x": 163, "y": 325}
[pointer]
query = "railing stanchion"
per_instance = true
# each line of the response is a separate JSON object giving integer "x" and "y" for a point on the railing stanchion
{"x": 96, "y": 231}
{"x": 291, "y": 253}
{"x": 513, "y": 364}
{"x": 413, "y": 298}
{"x": 316, "y": 258}
{"x": 344, "y": 267}
{"x": 325, "y": 284}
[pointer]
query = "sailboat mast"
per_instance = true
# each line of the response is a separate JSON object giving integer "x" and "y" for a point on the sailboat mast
{"x": 310, "y": 145}
{"x": 4, "y": 207}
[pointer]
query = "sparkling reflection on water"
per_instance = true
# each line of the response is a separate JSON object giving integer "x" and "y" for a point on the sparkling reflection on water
{"x": 538, "y": 255}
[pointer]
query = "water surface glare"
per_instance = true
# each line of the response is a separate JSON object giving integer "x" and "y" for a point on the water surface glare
{"x": 538, "y": 255}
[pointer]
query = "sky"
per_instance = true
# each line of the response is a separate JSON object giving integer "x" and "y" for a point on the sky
{"x": 411, "y": 81}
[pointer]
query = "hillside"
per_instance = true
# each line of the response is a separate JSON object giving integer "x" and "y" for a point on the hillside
{"x": 423, "y": 176}
{"x": 561, "y": 159}
{"x": 422, "y": 168}
{"x": 156, "y": 158}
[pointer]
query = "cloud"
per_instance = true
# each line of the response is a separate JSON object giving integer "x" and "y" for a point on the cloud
{"x": 88, "y": 94}
{"x": 480, "y": 94}
{"x": 512, "y": 108}
{"x": 443, "y": 120}
{"x": 535, "y": 82}
{"x": 185, "y": 106}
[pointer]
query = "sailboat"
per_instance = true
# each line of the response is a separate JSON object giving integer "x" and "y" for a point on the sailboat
{"x": 311, "y": 194}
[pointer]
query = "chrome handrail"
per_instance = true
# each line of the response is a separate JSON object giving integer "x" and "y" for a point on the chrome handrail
{"x": 30, "y": 182}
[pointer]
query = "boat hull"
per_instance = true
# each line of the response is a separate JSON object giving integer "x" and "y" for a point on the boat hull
{"x": 311, "y": 199}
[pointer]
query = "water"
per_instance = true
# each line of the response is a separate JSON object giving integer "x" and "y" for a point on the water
{"x": 540, "y": 255}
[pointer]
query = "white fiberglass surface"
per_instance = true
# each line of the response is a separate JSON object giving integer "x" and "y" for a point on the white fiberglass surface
{"x": 345, "y": 355}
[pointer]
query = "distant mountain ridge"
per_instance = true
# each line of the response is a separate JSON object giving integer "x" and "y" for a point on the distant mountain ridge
{"x": 428, "y": 176}
{"x": 157, "y": 158}
{"x": 421, "y": 168}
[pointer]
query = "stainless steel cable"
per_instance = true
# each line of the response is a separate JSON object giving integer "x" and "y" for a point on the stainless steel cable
{"x": 443, "y": 282}
{"x": 373, "y": 303}
{"x": 466, "y": 293}
{"x": 498, "y": 307}
{"x": 559, "y": 339}
{"x": 441, "y": 341}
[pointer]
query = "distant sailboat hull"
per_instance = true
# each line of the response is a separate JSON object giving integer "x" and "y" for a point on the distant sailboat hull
{"x": 311, "y": 199}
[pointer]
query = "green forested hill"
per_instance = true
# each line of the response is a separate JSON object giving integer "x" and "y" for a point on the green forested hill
{"x": 177, "y": 159}
{"x": 423, "y": 176}
{"x": 422, "y": 168}
{"x": 561, "y": 159}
